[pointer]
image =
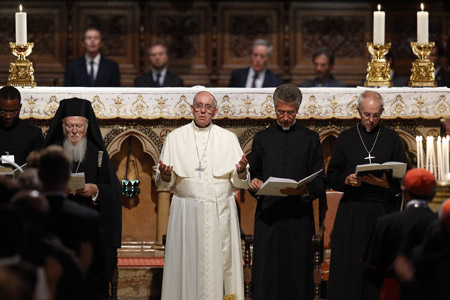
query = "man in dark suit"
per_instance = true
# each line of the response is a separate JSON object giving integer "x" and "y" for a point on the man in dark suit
{"x": 159, "y": 75}
{"x": 77, "y": 226}
{"x": 323, "y": 61}
{"x": 256, "y": 76}
{"x": 92, "y": 69}
{"x": 441, "y": 75}
{"x": 399, "y": 232}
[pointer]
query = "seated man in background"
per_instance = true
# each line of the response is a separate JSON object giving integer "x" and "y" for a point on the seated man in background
{"x": 323, "y": 61}
{"x": 257, "y": 75}
{"x": 92, "y": 69}
{"x": 159, "y": 75}
{"x": 17, "y": 137}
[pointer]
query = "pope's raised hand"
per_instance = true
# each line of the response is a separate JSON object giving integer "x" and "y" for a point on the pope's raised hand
{"x": 242, "y": 164}
{"x": 165, "y": 169}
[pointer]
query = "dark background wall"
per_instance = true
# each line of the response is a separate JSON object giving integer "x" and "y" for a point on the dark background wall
{"x": 208, "y": 39}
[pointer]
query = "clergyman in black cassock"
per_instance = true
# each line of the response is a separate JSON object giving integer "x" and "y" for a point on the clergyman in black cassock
{"x": 365, "y": 198}
{"x": 17, "y": 137}
{"x": 284, "y": 225}
{"x": 389, "y": 237}
{"x": 98, "y": 170}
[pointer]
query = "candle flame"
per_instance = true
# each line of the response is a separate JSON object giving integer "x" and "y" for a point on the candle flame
{"x": 20, "y": 7}
{"x": 421, "y": 6}
{"x": 379, "y": 7}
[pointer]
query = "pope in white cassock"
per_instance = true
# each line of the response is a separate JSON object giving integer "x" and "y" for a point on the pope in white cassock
{"x": 202, "y": 163}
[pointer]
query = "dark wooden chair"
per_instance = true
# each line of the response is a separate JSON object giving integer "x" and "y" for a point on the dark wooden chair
{"x": 321, "y": 244}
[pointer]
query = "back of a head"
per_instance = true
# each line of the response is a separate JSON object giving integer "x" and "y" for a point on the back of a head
{"x": 420, "y": 184}
{"x": 9, "y": 93}
{"x": 54, "y": 168}
{"x": 8, "y": 187}
{"x": 33, "y": 207}
{"x": 287, "y": 93}
{"x": 11, "y": 232}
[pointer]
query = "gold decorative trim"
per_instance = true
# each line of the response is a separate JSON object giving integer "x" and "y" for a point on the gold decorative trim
{"x": 229, "y": 297}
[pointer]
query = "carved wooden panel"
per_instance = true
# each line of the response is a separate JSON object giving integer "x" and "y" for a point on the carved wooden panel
{"x": 187, "y": 34}
{"x": 239, "y": 24}
{"x": 119, "y": 24}
{"x": 46, "y": 23}
{"x": 344, "y": 28}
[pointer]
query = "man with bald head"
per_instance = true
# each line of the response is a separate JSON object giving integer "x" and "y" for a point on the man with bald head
{"x": 365, "y": 197}
{"x": 202, "y": 163}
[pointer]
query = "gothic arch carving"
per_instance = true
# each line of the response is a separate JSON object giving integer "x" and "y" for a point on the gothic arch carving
{"x": 147, "y": 145}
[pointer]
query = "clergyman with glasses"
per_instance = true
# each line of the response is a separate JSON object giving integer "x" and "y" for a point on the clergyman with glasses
{"x": 365, "y": 198}
{"x": 17, "y": 137}
{"x": 284, "y": 225}
{"x": 202, "y": 163}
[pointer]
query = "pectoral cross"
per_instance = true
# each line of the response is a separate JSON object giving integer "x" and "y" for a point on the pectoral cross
{"x": 369, "y": 158}
{"x": 200, "y": 169}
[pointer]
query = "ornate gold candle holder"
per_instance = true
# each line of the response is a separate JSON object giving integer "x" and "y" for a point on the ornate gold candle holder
{"x": 21, "y": 72}
{"x": 378, "y": 69}
{"x": 422, "y": 71}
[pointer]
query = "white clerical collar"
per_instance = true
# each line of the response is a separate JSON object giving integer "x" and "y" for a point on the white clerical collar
{"x": 417, "y": 203}
{"x": 286, "y": 128}
{"x": 196, "y": 128}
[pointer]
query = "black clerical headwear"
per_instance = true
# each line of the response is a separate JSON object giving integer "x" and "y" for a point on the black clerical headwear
{"x": 75, "y": 107}
{"x": 111, "y": 208}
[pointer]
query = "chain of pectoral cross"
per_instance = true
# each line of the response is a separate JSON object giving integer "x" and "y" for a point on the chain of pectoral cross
{"x": 369, "y": 157}
{"x": 201, "y": 169}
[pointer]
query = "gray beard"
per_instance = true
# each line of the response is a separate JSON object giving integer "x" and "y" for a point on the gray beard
{"x": 77, "y": 151}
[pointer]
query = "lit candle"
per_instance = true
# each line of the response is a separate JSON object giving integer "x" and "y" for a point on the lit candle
{"x": 422, "y": 26}
{"x": 378, "y": 26}
{"x": 21, "y": 27}
{"x": 418, "y": 152}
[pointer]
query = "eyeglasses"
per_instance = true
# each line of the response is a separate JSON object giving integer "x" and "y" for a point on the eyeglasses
{"x": 368, "y": 115}
{"x": 208, "y": 107}
{"x": 9, "y": 112}
{"x": 288, "y": 112}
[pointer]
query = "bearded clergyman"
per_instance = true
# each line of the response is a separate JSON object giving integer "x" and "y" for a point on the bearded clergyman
{"x": 75, "y": 127}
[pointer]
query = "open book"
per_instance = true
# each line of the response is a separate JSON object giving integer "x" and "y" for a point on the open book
{"x": 76, "y": 182}
{"x": 398, "y": 169}
{"x": 273, "y": 185}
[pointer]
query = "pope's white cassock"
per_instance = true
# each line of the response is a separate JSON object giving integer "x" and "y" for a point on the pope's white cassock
{"x": 203, "y": 257}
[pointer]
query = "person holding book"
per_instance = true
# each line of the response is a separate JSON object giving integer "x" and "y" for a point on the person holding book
{"x": 365, "y": 197}
{"x": 284, "y": 225}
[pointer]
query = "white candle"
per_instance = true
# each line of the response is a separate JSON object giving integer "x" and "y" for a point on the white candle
{"x": 418, "y": 152}
{"x": 422, "y": 26}
{"x": 440, "y": 164}
{"x": 378, "y": 26}
{"x": 21, "y": 27}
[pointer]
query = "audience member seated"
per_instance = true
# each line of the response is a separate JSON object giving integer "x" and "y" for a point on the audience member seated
{"x": 43, "y": 249}
{"x": 17, "y": 137}
{"x": 159, "y": 75}
{"x": 323, "y": 61}
{"x": 77, "y": 226}
{"x": 441, "y": 75}
{"x": 257, "y": 75}
{"x": 92, "y": 69}
{"x": 389, "y": 238}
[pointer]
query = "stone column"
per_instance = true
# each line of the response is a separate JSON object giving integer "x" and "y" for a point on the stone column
{"x": 162, "y": 207}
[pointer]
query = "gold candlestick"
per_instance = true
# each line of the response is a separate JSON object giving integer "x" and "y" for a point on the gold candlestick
{"x": 422, "y": 71}
{"x": 378, "y": 69}
{"x": 21, "y": 72}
